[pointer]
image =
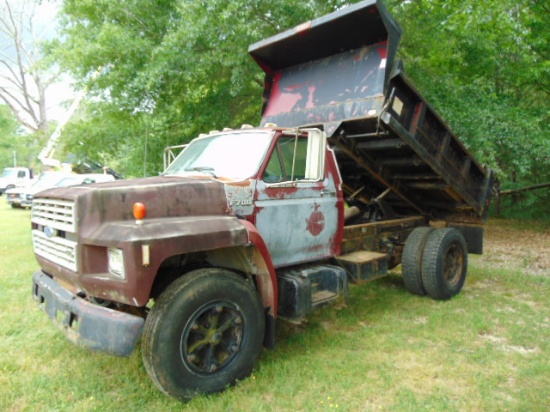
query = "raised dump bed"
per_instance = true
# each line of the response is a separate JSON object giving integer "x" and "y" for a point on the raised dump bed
{"x": 340, "y": 72}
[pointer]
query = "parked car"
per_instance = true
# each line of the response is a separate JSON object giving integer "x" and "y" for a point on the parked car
{"x": 21, "y": 197}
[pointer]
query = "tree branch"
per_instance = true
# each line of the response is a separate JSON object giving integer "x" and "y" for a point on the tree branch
{"x": 15, "y": 110}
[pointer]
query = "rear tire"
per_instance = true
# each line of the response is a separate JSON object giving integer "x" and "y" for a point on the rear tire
{"x": 203, "y": 334}
{"x": 412, "y": 260}
{"x": 444, "y": 264}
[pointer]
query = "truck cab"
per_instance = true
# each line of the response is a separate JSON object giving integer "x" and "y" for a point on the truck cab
{"x": 15, "y": 176}
{"x": 231, "y": 191}
{"x": 272, "y": 175}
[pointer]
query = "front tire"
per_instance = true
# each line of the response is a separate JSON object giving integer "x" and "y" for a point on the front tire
{"x": 204, "y": 333}
{"x": 444, "y": 263}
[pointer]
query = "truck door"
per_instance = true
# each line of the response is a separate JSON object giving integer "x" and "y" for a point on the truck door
{"x": 296, "y": 201}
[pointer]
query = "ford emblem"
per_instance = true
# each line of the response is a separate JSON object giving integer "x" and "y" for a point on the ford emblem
{"x": 50, "y": 232}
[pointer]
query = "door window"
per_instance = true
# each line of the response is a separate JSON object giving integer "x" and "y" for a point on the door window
{"x": 288, "y": 161}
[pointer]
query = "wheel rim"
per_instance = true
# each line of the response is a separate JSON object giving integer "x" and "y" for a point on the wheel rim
{"x": 212, "y": 337}
{"x": 454, "y": 265}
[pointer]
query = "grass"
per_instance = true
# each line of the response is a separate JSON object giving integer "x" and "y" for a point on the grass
{"x": 386, "y": 350}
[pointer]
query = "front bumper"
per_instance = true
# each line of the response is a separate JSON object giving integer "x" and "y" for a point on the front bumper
{"x": 85, "y": 324}
{"x": 18, "y": 202}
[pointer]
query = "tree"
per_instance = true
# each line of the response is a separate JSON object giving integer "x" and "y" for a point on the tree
{"x": 16, "y": 147}
{"x": 485, "y": 67}
{"x": 176, "y": 68}
{"x": 8, "y": 126}
{"x": 23, "y": 78}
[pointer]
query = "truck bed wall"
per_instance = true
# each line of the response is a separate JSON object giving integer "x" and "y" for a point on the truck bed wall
{"x": 340, "y": 73}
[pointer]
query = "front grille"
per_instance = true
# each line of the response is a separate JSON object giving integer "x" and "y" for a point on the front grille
{"x": 55, "y": 249}
{"x": 57, "y": 214}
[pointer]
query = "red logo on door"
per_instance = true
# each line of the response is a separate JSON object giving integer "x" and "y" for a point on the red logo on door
{"x": 316, "y": 222}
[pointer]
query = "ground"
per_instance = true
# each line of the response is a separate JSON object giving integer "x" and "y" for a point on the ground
{"x": 513, "y": 247}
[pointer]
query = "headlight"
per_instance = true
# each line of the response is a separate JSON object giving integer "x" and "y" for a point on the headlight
{"x": 116, "y": 263}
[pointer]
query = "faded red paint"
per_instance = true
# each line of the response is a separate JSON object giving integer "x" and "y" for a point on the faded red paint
{"x": 280, "y": 192}
{"x": 244, "y": 183}
{"x": 334, "y": 172}
{"x": 302, "y": 28}
{"x": 280, "y": 100}
{"x": 316, "y": 222}
{"x": 383, "y": 52}
{"x": 310, "y": 101}
{"x": 316, "y": 248}
{"x": 416, "y": 117}
{"x": 318, "y": 186}
{"x": 268, "y": 286}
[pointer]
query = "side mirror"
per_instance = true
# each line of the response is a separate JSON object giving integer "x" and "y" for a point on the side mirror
{"x": 315, "y": 161}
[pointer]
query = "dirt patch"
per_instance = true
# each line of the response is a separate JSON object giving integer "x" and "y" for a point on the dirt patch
{"x": 502, "y": 343}
{"x": 510, "y": 247}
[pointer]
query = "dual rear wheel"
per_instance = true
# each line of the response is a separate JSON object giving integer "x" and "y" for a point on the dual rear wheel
{"x": 435, "y": 262}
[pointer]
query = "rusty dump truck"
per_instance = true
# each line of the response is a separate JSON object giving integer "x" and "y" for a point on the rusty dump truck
{"x": 351, "y": 174}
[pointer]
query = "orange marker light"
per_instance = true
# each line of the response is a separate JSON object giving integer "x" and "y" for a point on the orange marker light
{"x": 140, "y": 211}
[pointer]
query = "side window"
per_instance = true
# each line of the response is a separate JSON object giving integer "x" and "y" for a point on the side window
{"x": 283, "y": 165}
{"x": 274, "y": 171}
{"x": 21, "y": 174}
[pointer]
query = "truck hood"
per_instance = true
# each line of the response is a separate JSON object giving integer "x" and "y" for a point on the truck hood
{"x": 163, "y": 196}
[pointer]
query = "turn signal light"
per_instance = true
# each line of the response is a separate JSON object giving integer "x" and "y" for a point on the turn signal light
{"x": 140, "y": 212}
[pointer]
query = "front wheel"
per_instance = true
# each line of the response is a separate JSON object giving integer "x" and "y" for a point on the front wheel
{"x": 444, "y": 263}
{"x": 204, "y": 333}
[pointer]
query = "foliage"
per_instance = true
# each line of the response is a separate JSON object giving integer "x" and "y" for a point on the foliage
{"x": 12, "y": 140}
{"x": 485, "y": 66}
{"x": 24, "y": 76}
{"x": 8, "y": 126}
{"x": 180, "y": 67}
{"x": 174, "y": 68}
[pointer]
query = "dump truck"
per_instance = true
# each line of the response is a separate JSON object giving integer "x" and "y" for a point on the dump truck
{"x": 350, "y": 174}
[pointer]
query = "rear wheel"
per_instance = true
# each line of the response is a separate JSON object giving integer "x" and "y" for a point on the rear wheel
{"x": 204, "y": 333}
{"x": 444, "y": 263}
{"x": 412, "y": 260}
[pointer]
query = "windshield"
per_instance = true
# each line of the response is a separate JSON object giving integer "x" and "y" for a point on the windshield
{"x": 48, "y": 180}
{"x": 234, "y": 155}
{"x": 69, "y": 181}
{"x": 9, "y": 173}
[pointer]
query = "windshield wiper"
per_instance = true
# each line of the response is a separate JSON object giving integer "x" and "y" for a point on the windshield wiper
{"x": 207, "y": 169}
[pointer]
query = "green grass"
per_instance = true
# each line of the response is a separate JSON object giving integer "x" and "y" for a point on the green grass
{"x": 488, "y": 349}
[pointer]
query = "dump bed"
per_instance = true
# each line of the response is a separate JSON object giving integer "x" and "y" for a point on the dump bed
{"x": 340, "y": 73}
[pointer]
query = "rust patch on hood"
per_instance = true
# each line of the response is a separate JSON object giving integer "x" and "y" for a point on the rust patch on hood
{"x": 163, "y": 196}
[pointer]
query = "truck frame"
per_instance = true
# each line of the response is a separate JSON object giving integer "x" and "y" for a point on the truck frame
{"x": 350, "y": 174}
